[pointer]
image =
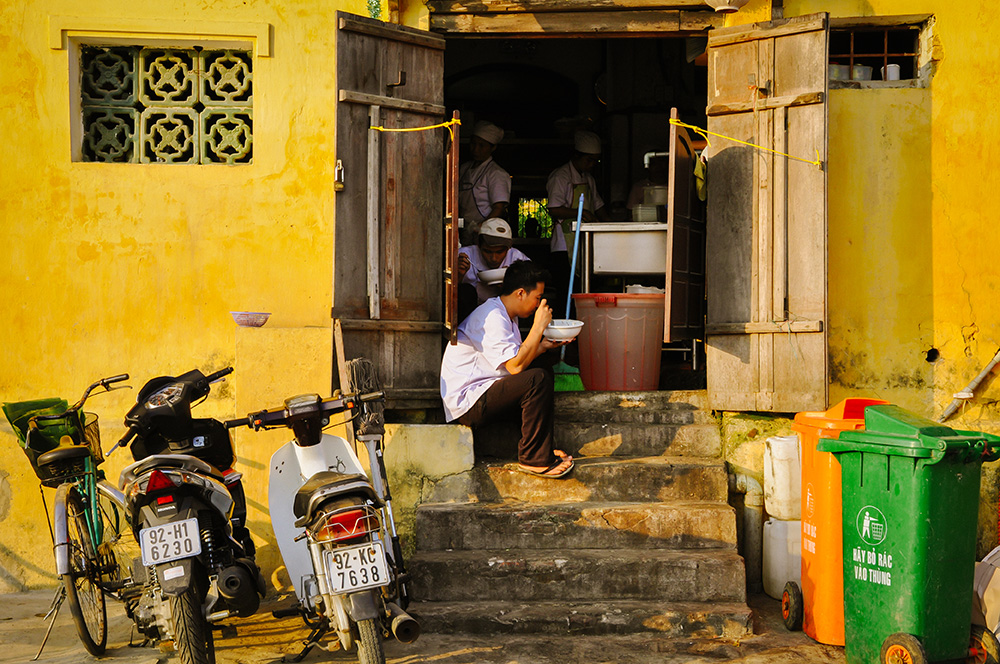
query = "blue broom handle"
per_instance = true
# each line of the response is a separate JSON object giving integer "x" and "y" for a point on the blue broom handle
{"x": 576, "y": 252}
{"x": 572, "y": 269}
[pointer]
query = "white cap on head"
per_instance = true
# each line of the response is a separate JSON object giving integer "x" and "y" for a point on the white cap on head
{"x": 488, "y": 131}
{"x": 496, "y": 232}
{"x": 587, "y": 142}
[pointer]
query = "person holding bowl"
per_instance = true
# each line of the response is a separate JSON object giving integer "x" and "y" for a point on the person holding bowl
{"x": 493, "y": 250}
{"x": 492, "y": 372}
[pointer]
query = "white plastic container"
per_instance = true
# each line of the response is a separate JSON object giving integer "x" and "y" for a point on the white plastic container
{"x": 782, "y": 555}
{"x": 783, "y": 477}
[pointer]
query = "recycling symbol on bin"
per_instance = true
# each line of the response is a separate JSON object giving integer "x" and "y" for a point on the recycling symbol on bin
{"x": 871, "y": 525}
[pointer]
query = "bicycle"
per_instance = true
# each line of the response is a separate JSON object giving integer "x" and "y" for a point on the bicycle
{"x": 63, "y": 445}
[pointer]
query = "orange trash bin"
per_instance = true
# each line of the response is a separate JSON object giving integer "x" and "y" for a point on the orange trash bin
{"x": 822, "y": 537}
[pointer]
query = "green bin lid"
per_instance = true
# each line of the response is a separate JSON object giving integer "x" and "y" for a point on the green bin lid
{"x": 893, "y": 431}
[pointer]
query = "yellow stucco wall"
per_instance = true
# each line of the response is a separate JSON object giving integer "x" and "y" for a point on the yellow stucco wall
{"x": 922, "y": 236}
{"x": 113, "y": 268}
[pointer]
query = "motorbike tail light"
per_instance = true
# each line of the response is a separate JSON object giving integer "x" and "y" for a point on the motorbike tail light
{"x": 158, "y": 481}
{"x": 165, "y": 499}
{"x": 346, "y": 525}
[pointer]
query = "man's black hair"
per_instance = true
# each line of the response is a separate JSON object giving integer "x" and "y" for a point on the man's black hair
{"x": 523, "y": 274}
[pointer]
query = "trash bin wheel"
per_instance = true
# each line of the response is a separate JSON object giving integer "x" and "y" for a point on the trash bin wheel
{"x": 983, "y": 646}
{"x": 791, "y": 606}
{"x": 902, "y": 648}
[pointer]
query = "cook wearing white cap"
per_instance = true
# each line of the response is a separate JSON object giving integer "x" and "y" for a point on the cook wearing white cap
{"x": 566, "y": 183}
{"x": 483, "y": 186}
{"x": 493, "y": 250}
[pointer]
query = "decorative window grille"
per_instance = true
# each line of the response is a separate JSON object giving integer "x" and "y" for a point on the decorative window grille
{"x": 166, "y": 105}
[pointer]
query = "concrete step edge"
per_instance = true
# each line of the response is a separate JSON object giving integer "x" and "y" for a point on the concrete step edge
{"x": 728, "y": 620}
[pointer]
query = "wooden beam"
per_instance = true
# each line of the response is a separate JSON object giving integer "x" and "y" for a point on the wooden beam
{"x": 880, "y": 21}
{"x": 393, "y": 32}
{"x": 373, "y": 217}
{"x": 767, "y": 104}
{"x": 385, "y": 325}
{"x": 530, "y": 6}
{"x": 776, "y": 327}
{"x": 343, "y": 376}
{"x": 789, "y": 26}
{"x": 353, "y": 97}
{"x": 579, "y": 24}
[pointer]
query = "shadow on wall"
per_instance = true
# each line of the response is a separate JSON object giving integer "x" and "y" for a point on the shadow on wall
{"x": 880, "y": 246}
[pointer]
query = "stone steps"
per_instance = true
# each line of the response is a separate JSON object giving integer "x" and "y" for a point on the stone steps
{"x": 670, "y": 619}
{"x": 679, "y": 407}
{"x": 662, "y": 575}
{"x": 640, "y": 538}
{"x": 574, "y": 525}
{"x": 619, "y": 439}
{"x": 631, "y": 439}
{"x": 659, "y": 478}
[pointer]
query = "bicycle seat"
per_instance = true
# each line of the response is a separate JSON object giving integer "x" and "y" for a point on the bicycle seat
{"x": 63, "y": 453}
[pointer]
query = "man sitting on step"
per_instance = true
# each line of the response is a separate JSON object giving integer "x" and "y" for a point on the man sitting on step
{"x": 492, "y": 371}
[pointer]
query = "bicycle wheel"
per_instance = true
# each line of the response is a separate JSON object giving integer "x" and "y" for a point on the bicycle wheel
{"x": 83, "y": 590}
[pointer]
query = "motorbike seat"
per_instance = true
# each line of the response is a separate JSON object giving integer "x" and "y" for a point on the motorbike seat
{"x": 322, "y": 486}
{"x": 63, "y": 453}
{"x": 181, "y": 461}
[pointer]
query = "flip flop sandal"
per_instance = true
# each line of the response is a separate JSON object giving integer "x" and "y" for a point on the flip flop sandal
{"x": 546, "y": 473}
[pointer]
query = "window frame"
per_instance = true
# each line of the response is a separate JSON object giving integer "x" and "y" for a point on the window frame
{"x": 923, "y": 61}
{"x": 72, "y": 33}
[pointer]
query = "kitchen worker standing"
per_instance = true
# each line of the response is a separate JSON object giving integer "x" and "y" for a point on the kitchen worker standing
{"x": 564, "y": 187}
{"x": 483, "y": 186}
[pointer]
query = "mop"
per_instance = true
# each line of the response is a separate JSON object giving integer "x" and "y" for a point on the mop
{"x": 567, "y": 376}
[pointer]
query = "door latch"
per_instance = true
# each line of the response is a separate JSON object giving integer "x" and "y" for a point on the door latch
{"x": 338, "y": 176}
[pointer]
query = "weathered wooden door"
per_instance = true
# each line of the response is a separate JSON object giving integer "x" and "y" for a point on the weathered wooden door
{"x": 766, "y": 256}
{"x": 684, "y": 313}
{"x": 388, "y": 232}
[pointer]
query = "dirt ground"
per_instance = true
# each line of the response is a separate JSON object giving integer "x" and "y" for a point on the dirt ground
{"x": 263, "y": 639}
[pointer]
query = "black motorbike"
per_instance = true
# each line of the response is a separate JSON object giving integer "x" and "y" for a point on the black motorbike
{"x": 187, "y": 510}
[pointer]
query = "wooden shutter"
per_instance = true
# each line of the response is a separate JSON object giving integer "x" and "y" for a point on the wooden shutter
{"x": 684, "y": 313}
{"x": 767, "y": 260}
{"x": 388, "y": 236}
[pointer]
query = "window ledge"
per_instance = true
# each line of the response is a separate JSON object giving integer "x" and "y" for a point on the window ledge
{"x": 63, "y": 28}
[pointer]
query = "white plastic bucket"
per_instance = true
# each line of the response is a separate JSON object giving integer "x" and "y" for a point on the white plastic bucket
{"x": 782, "y": 555}
{"x": 783, "y": 477}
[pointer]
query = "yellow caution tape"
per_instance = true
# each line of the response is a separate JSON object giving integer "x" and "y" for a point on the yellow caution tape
{"x": 705, "y": 133}
{"x": 447, "y": 125}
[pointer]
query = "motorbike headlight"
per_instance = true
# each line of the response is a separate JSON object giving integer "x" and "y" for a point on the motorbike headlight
{"x": 304, "y": 403}
{"x": 170, "y": 394}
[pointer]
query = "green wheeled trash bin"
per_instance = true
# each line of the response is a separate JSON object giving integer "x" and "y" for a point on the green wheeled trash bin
{"x": 910, "y": 491}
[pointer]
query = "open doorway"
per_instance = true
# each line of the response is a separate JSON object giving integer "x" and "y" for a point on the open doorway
{"x": 540, "y": 91}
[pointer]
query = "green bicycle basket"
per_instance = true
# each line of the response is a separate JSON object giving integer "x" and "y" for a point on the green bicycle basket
{"x": 51, "y": 434}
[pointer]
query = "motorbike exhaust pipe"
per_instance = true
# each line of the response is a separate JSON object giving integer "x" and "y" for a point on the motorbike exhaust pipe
{"x": 239, "y": 590}
{"x": 402, "y": 624}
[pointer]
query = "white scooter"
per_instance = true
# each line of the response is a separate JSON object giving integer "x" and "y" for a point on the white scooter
{"x": 334, "y": 526}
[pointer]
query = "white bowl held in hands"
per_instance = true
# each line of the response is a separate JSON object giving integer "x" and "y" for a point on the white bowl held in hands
{"x": 492, "y": 276}
{"x": 563, "y": 329}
